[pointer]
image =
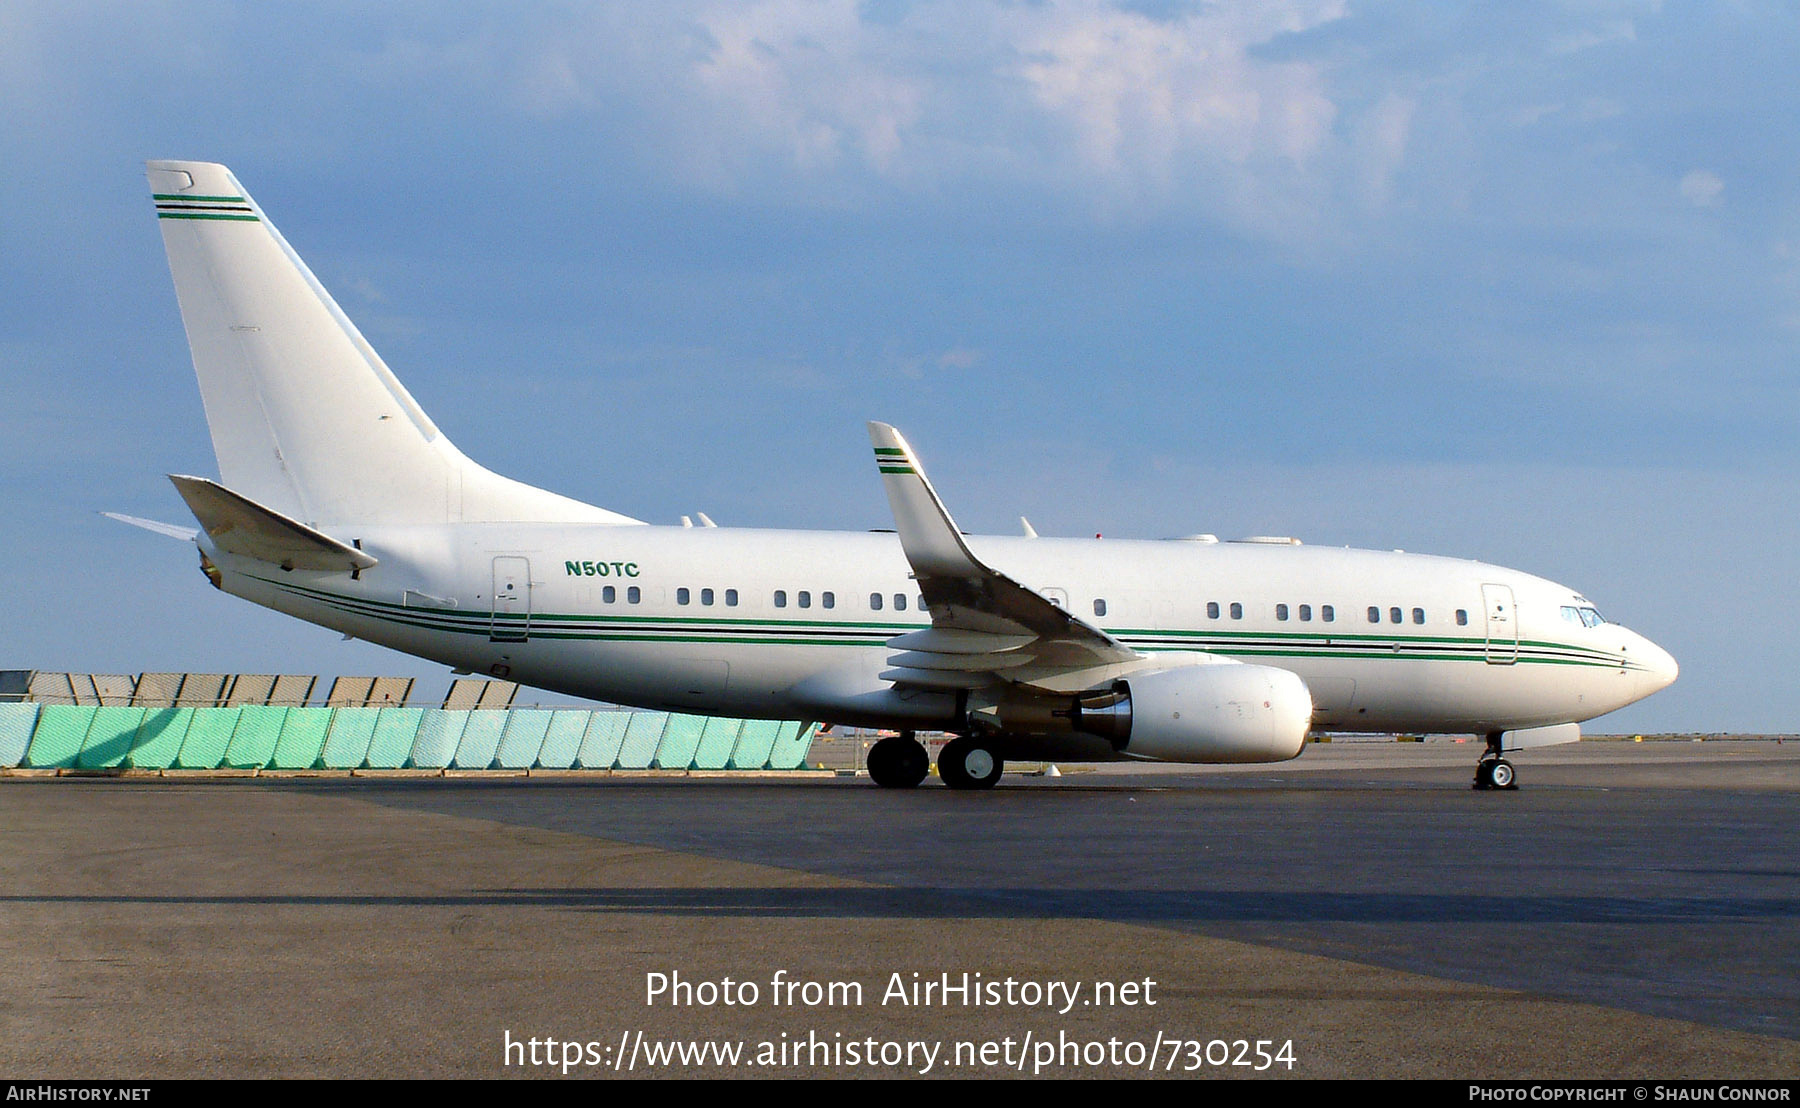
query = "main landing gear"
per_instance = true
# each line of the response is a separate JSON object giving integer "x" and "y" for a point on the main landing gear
{"x": 898, "y": 762}
{"x": 969, "y": 763}
{"x": 1493, "y": 771}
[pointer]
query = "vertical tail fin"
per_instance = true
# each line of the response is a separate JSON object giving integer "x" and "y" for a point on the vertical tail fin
{"x": 306, "y": 418}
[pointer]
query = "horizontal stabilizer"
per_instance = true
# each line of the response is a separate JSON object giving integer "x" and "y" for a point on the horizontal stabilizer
{"x": 185, "y": 534}
{"x": 238, "y": 525}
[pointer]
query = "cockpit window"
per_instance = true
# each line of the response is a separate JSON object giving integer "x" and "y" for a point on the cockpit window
{"x": 1587, "y": 617}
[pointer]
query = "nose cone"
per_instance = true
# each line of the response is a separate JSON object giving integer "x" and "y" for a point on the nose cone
{"x": 1659, "y": 665}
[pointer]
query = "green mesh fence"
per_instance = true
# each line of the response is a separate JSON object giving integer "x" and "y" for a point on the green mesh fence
{"x": 62, "y": 736}
{"x": 679, "y": 741}
{"x": 109, "y": 738}
{"x": 562, "y": 739}
{"x": 302, "y": 738}
{"x": 203, "y": 747}
{"x": 347, "y": 742}
{"x": 717, "y": 742}
{"x": 643, "y": 734}
{"x": 392, "y": 743}
{"x": 791, "y": 744}
{"x": 434, "y": 744}
{"x": 56, "y": 743}
{"x": 253, "y": 739}
{"x": 605, "y": 735}
{"x": 526, "y": 730}
{"x": 16, "y": 724}
{"x": 480, "y": 739}
{"x": 160, "y": 736}
{"x": 754, "y": 744}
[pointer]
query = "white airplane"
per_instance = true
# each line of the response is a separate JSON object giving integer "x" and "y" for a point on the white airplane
{"x": 341, "y": 503}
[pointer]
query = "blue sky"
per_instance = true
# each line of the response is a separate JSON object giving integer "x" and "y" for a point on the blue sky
{"x": 1518, "y": 283}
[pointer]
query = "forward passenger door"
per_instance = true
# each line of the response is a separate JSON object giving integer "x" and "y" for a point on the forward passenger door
{"x": 1502, "y": 625}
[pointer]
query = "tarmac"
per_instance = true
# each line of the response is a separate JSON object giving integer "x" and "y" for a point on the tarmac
{"x": 1630, "y": 912}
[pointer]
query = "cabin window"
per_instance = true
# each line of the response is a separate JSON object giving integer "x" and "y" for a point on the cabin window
{"x": 609, "y": 594}
{"x": 1305, "y": 613}
{"x": 1418, "y": 615}
{"x": 1327, "y": 613}
{"x": 634, "y": 594}
{"x": 1212, "y": 609}
{"x": 804, "y": 599}
{"x": 731, "y": 598}
{"x": 1374, "y": 615}
{"x": 828, "y": 600}
{"x": 1281, "y": 611}
{"x": 1099, "y": 607}
{"x": 1462, "y": 617}
{"x": 1394, "y": 615}
{"x": 1237, "y": 610}
{"x": 874, "y": 602}
{"x": 921, "y": 600}
{"x": 899, "y": 602}
{"x": 781, "y": 598}
{"x": 681, "y": 596}
{"x": 706, "y": 597}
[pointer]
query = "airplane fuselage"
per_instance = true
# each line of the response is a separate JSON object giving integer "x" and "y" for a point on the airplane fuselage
{"x": 785, "y": 624}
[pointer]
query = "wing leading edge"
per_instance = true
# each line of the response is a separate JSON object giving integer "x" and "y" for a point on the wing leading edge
{"x": 985, "y": 626}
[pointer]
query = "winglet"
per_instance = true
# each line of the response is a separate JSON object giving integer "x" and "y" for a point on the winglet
{"x": 968, "y": 598}
{"x": 929, "y": 536}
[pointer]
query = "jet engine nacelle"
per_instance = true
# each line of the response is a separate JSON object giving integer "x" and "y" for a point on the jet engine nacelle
{"x": 1202, "y": 713}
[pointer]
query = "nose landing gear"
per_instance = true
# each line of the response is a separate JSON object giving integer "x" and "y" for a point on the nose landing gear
{"x": 1493, "y": 771}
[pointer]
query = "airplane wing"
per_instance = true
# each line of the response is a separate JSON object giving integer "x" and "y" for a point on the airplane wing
{"x": 985, "y": 627}
{"x": 239, "y": 525}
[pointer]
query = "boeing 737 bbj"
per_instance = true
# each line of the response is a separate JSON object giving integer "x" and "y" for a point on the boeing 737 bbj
{"x": 341, "y": 503}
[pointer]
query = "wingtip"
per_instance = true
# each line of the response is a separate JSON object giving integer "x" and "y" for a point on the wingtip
{"x": 892, "y": 453}
{"x": 885, "y": 436}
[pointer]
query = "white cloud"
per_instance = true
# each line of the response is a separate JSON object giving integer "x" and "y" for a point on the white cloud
{"x": 1612, "y": 30}
{"x": 818, "y": 82}
{"x": 1383, "y": 135}
{"x": 1701, "y": 187}
{"x": 1123, "y": 112}
{"x": 1139, "y": 94}
{"x": 959, "y": 357}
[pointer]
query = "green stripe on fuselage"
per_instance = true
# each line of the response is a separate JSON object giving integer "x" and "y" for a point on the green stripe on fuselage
{"x": 789, "y": 632}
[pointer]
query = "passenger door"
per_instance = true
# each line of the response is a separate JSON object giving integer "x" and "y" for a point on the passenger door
{"x": 511, "y": 620}
{"x": 1502, "y": 625}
